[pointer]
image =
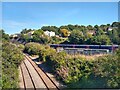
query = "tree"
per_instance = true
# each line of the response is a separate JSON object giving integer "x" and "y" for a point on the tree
{"x": 25, "y": 38}
{"x": 76, "y": 37}
{"x": 83, "y": 29}
{"x": 4, "y": 35}
{"x": 104, "y": 27}
{"x": 101, "y": 40}
{"x": 38, "y": 32}
{"x": 40, "y": 37}
{"x": 51, "y": 28}
{"x": 90, "y": 27}
{"x": 115, "y": 24}
{"x": 114, "y": 36}
{"x": 25, "y": 31}
{"x": 64, "y": 32}
{"x": 98, "y": 30}
{"x": 37, "y": 35}
{"x": 71, "y": 27}
{"x": 63, "y": 27}
{"x": 87, "y": 38}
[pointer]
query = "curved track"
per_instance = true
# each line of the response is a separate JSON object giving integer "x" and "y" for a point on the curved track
{"x": 34, "y": 77}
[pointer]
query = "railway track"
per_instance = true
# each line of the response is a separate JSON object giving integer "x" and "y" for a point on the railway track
{"x": 34, "y": 77}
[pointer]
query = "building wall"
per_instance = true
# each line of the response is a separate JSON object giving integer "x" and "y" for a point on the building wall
{"x": 49, "y": 33}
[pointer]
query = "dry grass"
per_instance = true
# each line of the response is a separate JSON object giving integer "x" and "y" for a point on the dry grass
{"x": 86, "y": 57}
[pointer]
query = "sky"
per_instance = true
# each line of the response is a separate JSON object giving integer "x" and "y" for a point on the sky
{"x": 19, "y": 15}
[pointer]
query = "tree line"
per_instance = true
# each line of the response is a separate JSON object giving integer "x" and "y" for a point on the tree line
{"x": 75, "y": 34}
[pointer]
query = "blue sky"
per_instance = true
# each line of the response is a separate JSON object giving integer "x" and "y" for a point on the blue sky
{"x": 19, "y": 15}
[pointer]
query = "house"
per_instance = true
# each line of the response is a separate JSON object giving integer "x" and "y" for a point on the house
{"x": 110, "y": 29}
{"x": 15, "y": 35}
{"x": 49, "y": 33}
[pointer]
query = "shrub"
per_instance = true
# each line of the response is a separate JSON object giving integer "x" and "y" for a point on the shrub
{"x": 45, "y": 52}
{"x": 11, "y": 59}
{"x": 33, "y": 48}
{"x": 21, "y": 47}
{"x": 78, "y": 72}
{"x": 108, "y": 67}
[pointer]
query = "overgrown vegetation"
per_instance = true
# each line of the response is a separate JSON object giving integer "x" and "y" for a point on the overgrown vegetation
{"x": 77, "y": 72}
{"x": 33, "y": 48}
{"x": 104, "y": 72}
{"x": 11, "y": 59}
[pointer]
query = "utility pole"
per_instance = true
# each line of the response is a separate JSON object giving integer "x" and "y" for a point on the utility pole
{"x": 113, "y": 48}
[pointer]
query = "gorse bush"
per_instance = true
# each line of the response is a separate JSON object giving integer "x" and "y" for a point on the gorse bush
{"x": 11, "y": 59}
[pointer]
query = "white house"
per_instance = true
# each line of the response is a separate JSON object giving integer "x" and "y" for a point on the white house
{"x": 15, "y": 35}
{"x": 110, "y": 29}
{"x": 49, "y": 33}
